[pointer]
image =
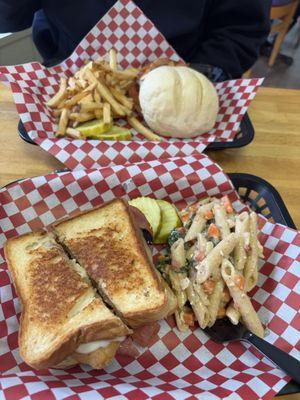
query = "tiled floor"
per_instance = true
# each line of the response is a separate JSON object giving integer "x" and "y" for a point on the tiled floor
{"x": 281, "y": 74}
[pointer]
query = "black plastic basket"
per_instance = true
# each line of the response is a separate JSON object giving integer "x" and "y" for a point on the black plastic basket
{"x": 243, "y": 137}
{"x": 263, "y": 198}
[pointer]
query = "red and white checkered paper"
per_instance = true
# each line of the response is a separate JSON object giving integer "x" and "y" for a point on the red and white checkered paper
{"x": 178, "y": 365}
{"x": 137, "y": 41}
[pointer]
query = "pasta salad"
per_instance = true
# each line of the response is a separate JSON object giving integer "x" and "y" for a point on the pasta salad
{"x": 212, "y": 263}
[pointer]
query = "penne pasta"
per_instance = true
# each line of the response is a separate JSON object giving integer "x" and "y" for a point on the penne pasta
{"x": 206, "y": 207}
{"x": 181, "y": 325}
{"x": 176, "y": 279}
{"x": 199, "y": 290}
{"x": 221, "y": 219}
{"x": 178, "y": 254}
{"x": 240, "y": 298}
{"x": 215, "y": 301}
{"x": 197, "y": 226}
{"x": 201, "y": 244}
{"x": 204, "y": 201}
{"x": 241, "y": 227}
{"x": 199, "y": 220}
{"x": 198, "y": 306}
{"x": 250, "y": 271}
{"x": 208, "y": 248}
{"x": 233, "y": 314}
{"x": 209, "y": 267}
{"x": 190, "y": 252}
{"x": 221, "y": 265}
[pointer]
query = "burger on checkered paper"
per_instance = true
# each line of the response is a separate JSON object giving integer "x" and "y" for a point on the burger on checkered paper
{"x": 178, "y": 365}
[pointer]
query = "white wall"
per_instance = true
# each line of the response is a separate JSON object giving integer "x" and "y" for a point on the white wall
{"x": 17, "y": 48}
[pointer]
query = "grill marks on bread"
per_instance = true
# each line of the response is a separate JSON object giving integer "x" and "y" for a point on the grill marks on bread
{"x": 111, "y": 261}
{"x": 54, "y": 289}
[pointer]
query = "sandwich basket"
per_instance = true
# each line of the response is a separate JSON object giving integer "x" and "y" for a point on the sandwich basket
{"x": 243, "y": 136}
{"x": 177, "y": 365}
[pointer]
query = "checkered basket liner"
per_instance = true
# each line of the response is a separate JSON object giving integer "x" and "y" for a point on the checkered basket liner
{"x": 176, "y": 365}
{"x": 137, "y": 41}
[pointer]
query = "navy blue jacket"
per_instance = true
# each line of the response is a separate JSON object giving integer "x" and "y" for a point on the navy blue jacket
{"x": 223, "y": 33}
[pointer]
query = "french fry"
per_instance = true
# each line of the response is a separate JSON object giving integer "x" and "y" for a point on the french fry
{"x": 121, "y": 89}
{"x": 73, "y": 133}
{"x": 91, "y": 87}
{"x": 139, "y": 127}
{"x": 72, "y": 84}
{"x": 63, "y": 122}
{"x": 91, "y": 106}
{"x": 106, "y": 113}
{"x": 128, "y": 74}
{"x": 81, "y": 116}
{"x": 60, "y": 95}
{"x": 82, "y": 83}
{"x": 87, "y": 99}
{"x": 75, "y": 99}
{"x": 99, "y": 74}
{"x": 104, "y": 92}
{"x": 113, "y": 59}
{"x": 108, "y": 79}
{"x": 102, "y": 64}
{"x": 97, "y": 97}
{"x": 98, "y": 90}
{"x": 98, "y": 113}
{"x": 125, "y": 101}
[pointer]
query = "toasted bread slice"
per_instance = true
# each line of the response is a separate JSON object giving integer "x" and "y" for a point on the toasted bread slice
{"x": 109, "y": 245}
{"x": 60, "y": 307}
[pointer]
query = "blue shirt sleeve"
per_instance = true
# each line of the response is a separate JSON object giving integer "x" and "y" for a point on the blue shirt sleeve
{"x": 234, "y": 32}
{"x": 16, "y": 15}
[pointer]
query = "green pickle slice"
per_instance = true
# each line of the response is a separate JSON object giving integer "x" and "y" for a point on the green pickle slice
{"x": 116, "y": 133}
{"x": 169, "y": 221}
{"x": 150, "y": 208}
{"x": 93, "y": 129}
{"x": 97, "y": 129}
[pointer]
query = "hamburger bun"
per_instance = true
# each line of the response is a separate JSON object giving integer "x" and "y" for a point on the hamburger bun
{"x": 177, "y": 101}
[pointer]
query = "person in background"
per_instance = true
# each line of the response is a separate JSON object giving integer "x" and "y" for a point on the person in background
{"x": 225, "y": 34}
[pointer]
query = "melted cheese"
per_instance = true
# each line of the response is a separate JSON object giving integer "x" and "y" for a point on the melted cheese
{"x": 87, "y": 348}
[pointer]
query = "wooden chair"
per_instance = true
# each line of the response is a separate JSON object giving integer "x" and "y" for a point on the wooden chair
{"x": 285, "y": 14}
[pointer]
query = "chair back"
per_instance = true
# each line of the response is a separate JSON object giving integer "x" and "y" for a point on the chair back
{"x": 281, "y": 9}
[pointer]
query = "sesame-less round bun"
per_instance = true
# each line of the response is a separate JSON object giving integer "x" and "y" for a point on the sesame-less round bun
{"x": 178, "y": 102}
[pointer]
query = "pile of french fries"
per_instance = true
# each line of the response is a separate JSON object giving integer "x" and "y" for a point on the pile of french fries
{"x": 99, "y": 90}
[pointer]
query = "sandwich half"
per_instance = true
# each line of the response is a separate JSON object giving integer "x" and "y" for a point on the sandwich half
{"x": 63, "y": 321}
{"x": 109, "y": 245}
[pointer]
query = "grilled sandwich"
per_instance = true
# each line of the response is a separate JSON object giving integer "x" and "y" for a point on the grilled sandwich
{"x": 109, "y": 245}
{"x": 64, "y": 321}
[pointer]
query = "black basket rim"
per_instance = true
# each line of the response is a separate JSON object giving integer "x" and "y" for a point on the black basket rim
{"x": 246, "y": 127}
{"x": 273, "y": 191}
